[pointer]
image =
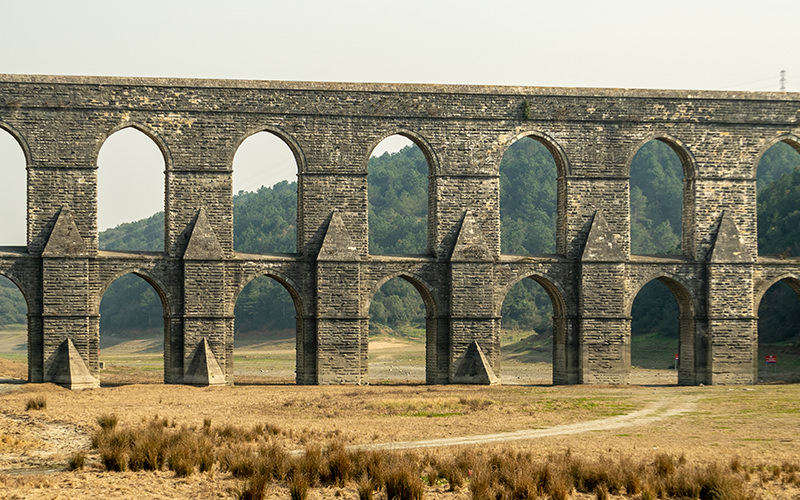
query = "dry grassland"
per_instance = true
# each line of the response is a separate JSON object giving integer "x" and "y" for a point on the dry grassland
{"x": 757, "y": 428}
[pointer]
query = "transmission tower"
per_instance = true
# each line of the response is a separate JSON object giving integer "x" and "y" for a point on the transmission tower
{"x": 783, "y": 80}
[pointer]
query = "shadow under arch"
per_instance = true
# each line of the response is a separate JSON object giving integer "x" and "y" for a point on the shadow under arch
{"x": 563, "y": 170}
{"x": 693, "y": 365}
{"x": 436, "y": 350}
{"x": 29, "y": 341}
{"x": 565, "y": 352}
{"x": 305, "y": 348}
{"x": 172, "y": 351}
{"x": 689, "y": 167}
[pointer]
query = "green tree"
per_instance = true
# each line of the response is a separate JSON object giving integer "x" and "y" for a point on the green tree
{"x": 656, "y": 200}
{"x": 398, "y": 202}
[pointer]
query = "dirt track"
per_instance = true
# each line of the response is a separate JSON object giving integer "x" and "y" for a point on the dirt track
{"x": 666, "y": 408}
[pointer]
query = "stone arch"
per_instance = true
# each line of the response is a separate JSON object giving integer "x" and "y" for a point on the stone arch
{"x": 157, "y": 139}
{"x": 677, "y": 285}
{"x": 417, "y": 139}
{"x": 433, "y": 355}
{"x": 776, "y": 313}
{"x": 256, "y": 170}
{"x": 291, "y": 143}
{"x": 689, "y": 166}
{"x": 762, "y": 286}
{"x": 153, "y": 281}
{"x": 417, "y": 282}
{"x": 790, "y": 139}
{"x": 553, "y": 288}
{"x": 21, "y": 286}
{"x": 170, "y": 355}
{"x": 103, "y": 187}
{"x": 31, "y": 340}
{"x": 693, "y": 361}
{"x": 774, "y": 216}
{"x": 23, "y": 144}
{"x": 287, "y": 283}
{"x": 555, "y": 149}
{"x": 563, "y": 170}
{"x": 565, "y": 353}
{"x": 688, "y": 161}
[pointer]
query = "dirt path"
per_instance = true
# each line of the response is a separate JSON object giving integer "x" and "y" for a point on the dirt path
{"x": 665, "y": 408}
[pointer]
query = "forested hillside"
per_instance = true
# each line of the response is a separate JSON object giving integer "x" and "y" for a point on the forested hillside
{"x": 265, "y": 222}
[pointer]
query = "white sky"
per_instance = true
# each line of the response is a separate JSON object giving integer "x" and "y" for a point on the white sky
{"x": 635, "y": 44}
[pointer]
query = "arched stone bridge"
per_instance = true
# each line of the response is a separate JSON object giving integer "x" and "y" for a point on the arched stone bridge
{"x": 61, "y": 123}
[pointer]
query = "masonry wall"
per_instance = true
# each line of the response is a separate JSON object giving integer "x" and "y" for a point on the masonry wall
{"x": 61, "y": 123}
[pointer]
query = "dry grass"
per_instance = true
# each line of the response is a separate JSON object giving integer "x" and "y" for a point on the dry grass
{"x": 37, "y": 403}
{"x": 504, "y": 474}
{"x": 733, "y": 437}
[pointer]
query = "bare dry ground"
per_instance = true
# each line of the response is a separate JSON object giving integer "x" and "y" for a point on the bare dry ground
{"x": 758, "y": 424}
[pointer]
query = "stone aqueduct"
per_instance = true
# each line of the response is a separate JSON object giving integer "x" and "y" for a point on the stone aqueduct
{"x": 61, "y": 123}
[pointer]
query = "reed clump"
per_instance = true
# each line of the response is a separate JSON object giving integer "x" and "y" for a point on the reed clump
{"x": 255, "y": 456}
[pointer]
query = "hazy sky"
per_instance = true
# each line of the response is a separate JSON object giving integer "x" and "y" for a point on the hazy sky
{"x": 678, "y": 44}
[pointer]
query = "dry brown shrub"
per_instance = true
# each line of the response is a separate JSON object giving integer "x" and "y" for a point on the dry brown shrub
{"x": 450, "y": 472}
{"x": 298, "y": 487}
{"x": 273, "y": 461}
{"x": 309, "y": 464}
{"x": 37, "y": 403}
{"x": 365, "y": 486}
{"x": 664, "y": 464}
{"x": 239, "y": 460}
{"x": 77, "y": 461}
{"x": 254, "y": 488}
{"x": 403, "y": 481}
{"x": 340, "y": 464}
{"x": 107, "y": 422}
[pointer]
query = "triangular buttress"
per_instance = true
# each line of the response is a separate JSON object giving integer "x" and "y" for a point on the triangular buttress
{"x": 729, "y": 245}
{"x": 470, "y": 245}
{"x": 68, "y": 369}
{"x": 474, "y": 368}
{"x": 601, "y": 245}
{"x": 203, "y": 243}
{"x": 337, "y": 245}
{"x": 203, "y": 368}
{"x": 65, "y": 240}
